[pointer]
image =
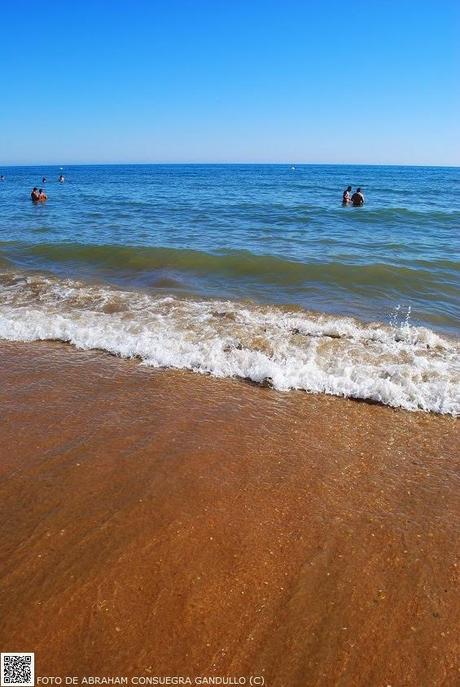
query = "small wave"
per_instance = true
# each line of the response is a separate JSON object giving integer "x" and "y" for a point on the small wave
{"x": 400, "y": 366}
{"x": 231, "y": 263}
{"x": 398, "y": 217}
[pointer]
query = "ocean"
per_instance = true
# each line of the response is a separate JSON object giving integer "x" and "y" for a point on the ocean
{"x": 251, "y": 271}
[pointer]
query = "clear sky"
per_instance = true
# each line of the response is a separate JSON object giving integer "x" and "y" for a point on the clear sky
{"x": 230, "y": 81}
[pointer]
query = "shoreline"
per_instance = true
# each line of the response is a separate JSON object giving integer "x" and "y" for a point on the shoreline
{"x": 287, "y": 348}
{"x": 160, "y": 522}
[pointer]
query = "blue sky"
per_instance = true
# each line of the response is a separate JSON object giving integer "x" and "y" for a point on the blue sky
{"x": 230, "y": 81}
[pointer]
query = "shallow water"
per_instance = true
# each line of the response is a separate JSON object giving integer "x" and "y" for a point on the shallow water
{"x": 138, "y": 259}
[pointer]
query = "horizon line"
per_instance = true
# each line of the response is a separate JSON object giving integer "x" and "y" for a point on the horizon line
{"x": 287, "y": 164}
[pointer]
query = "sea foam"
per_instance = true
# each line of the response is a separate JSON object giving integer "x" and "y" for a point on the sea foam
{"x": 400, "y": 366}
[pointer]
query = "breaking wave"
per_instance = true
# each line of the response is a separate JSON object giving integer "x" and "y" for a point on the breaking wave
{"x": 397, "y": 365}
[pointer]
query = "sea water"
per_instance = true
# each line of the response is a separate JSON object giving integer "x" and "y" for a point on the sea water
{"x": 255, "y": 271}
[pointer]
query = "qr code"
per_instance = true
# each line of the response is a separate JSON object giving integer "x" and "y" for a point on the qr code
{"x": 17, "y": 670}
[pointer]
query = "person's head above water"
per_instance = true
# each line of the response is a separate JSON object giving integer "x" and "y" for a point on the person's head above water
{"x": 34, "y": 188}
{"x": 349, "y": 188}
{"x": 358, "y": 190}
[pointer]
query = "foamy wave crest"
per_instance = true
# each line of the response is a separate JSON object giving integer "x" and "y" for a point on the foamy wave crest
{"x": 404, "y": 366}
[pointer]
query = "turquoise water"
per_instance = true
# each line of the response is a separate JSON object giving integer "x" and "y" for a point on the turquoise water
{"x": 249, "y": 242}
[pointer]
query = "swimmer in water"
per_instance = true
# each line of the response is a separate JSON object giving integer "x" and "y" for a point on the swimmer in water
{"x": 357, "y": 199}
{"x": 42, "y": 195}
{"x": 61, "y": 179}
{"x": 346, "y": 197}
{"x": 35, "y": 195}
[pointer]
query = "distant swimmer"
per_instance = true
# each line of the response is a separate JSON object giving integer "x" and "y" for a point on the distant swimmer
{"x": 35, "y": 195}
{"x": 357, "y": 198}
{"x": 42, "y": 195}
{"x": 43, "y": 180}
{"x": 346, "y": 197}
{"x": 2, "y": 178}
{"x": 61, "y": 179}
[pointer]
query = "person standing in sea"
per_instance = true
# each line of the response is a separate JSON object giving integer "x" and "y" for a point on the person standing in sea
{"x": 346, "y": 196}
{"x": 357, "y": 198}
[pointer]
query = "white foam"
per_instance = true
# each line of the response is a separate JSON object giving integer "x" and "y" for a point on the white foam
{"x": 404, "y": 366}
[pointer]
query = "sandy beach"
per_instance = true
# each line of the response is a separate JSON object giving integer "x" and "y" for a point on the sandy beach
{"x": 164, "y": 523}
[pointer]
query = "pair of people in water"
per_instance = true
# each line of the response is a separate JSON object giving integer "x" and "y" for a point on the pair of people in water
{"x": 38, "y": 195}
{"x": 356, "y": 199}
{"x": 60, "y": 179}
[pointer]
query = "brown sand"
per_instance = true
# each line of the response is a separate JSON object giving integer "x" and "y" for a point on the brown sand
{"x": 166, "y": 523}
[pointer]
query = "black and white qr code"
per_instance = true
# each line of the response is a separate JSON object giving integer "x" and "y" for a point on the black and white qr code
{"x": 17, "y": 670}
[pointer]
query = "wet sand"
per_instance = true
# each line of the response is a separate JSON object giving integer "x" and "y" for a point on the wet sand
{"x": 162, "y": 523}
